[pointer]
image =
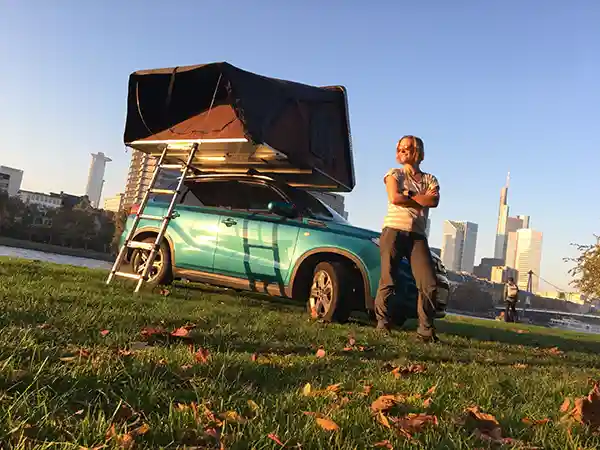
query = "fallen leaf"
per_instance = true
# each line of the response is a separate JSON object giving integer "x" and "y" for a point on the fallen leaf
{"x": 367, "y": 389}
{"x": 143, "y": 429}
{"x": 104, "y": 332}
{"x": 555, "y": 351}
{"x": 406, "y": 370}
{"x": 164, "y": 292}
{"x": 233, "y": 416}
{"x": 79, "y": 412}
{"x": 334, "y": 387}
{"x": 123, "y": 352}
{"x": 385, "y": 403}
{"x": 528, "y": 421}
{"x": 520, "y": 366}
{"x": 521, "y": 331}
{"x": 327, "y": 424}
{"x": 180, "y": 332}
{"x": 586, "y": 410}
{"x": 68, "y": 358}
{"x": 427, "y": 402}
{"x": 431, "y": 390}
{"x": 565, "y": 405}
{"x": 44, "y": 326}
{"x": 254, "y": 357}
{"x": 414, "y": 423}
{"x": 485, "y": 424}
{"x": 387, "y": 444}
{"x": 186, "y": 367}
{"x": 383, "y": 420}
{"x": 307, "y": 389}
{"x": 150, "y": 331}
{"x": 275, "y": 438}
{"x": 320, "y": 353}
{"x": 202, "y": 355}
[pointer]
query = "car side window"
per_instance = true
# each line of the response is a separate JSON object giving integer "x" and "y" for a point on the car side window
{"x": 233, "y": 194}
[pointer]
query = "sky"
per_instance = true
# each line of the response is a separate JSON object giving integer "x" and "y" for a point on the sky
{"x": 489, "y": 86}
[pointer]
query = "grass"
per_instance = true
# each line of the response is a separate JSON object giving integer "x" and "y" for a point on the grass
{"x": 49, "y": 312}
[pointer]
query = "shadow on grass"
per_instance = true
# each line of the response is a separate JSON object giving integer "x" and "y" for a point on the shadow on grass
{"x": 527, "y": 338}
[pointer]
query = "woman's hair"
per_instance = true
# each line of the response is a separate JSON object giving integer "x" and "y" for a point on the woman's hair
{"x": 418, "y": 148}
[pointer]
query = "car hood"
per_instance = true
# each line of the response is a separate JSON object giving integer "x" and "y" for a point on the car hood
{"x": 350, "y": 230}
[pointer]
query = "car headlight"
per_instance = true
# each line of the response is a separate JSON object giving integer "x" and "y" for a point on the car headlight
{"x": 375, "y": 241}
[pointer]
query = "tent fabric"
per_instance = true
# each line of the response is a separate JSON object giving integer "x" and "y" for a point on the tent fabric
{"x": 308, "y": 124}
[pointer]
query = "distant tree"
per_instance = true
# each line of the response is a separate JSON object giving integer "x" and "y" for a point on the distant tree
{"x": 119, "y": 220}
{"x": 587, "y": 269}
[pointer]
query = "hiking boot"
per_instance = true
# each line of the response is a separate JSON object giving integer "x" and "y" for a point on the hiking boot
{"x": 383, "y": 327}
{"x": 428, "y": 339}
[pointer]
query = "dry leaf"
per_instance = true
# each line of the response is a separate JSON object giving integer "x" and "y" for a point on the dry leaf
{"x": 180, "y": 332}
{"x": 327, "y": 424}
{"x": 202, "y": 355}
{"x": 307, "y": 389}
{"x": 555, "y": 351}
{"x": 406, "y": 370}
{"x": 427, "y": 402}
{"x": 351, "y": 341}
{"x": 232, "y": 416}
{"x": 385, "y": 403}
{"x": 386, "y": 444}
{"x": 150, "y": 331}
{"x": 521, "y": 331}
{"x": 320, "y": 353}
{"x": 79, "y": 412}
{"x": 367, "y": 389}
{"x": 520, "y": 366}
{"x": 254, "y": 357}
{"x": 68, "y": 358}
{"x": 486, "y": 425}
{"x": 143, "y": 429}
{"x": 414, "y": 423}
{"x": 334, "y": 387}
{"x": 586, "y": 410}
{"x": 383, "y": 420}
{"x": 565, "y": 405}
{"x": 275, "y": 438}
{"x": 528, "y": 421}
{"x": 104, "y": 332}
{"x": 44, "y": 326}
{"x": 164, "y": 292}
{"x": 431, "y": 390}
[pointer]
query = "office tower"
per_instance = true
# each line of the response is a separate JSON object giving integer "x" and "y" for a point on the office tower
{"x": 528, "y": 256}
{"x": 458, "y": 245}
{"x": 501, "y": 233}
{"x": 95, "y": 181}
{"x": 513, "y": 224}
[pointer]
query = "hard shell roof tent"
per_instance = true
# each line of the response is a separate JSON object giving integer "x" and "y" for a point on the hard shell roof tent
{"x": 242, "y": 121}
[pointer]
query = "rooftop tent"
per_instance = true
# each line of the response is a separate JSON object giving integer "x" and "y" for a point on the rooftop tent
{"x": 243, "y": 121}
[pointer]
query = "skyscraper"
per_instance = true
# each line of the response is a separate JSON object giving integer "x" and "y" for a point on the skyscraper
{"x": 528, "y": 257}
{"x": 458, "y": 245}
{"x": 95, "y": 181}
{"x": 513, "y": 224}
{"x": 501, "y": 232}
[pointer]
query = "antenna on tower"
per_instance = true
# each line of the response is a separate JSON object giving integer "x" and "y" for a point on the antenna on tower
{"x": 508, "y": 179}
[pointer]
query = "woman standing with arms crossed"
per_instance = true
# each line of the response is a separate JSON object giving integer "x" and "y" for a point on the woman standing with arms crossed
{"x": 411, "y": 193}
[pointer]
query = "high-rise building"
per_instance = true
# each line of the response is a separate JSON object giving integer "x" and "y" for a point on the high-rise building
{"x": 10, "y": 180}
{"x": 95, "y": 181}
{"x": 334, "y": 201}
{"x": 141, "y": 169}
{"x": 458, "y": 245}
{"x": 501, "y": 233}
{"x": 513, "y": 224}
{"x": 528, "y": 256}
{"x": 113, "y": 203}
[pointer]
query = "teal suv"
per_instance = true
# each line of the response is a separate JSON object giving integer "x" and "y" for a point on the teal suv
{"x": 255, "y": 233}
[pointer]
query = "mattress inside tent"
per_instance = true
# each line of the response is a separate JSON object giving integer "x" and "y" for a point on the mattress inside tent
{"x": 241, "y": 121}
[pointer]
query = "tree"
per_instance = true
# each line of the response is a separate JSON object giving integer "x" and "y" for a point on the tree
{"x": 587, "y": 269}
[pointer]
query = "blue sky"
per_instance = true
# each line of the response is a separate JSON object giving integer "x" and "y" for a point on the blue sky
{"x": 490, "y": 86}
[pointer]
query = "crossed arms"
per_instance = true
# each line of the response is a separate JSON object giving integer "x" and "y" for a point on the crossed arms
{"x": 428, "y": 200}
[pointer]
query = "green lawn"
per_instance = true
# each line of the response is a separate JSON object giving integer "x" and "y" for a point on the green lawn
{"x": 65, "y": 384}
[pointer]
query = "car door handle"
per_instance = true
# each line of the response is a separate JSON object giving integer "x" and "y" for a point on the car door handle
{"x": 229, "y": 222}
{"x": 174, "y": 215}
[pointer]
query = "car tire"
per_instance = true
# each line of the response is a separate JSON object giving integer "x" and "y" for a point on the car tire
{"x": 329, "y": 291}
{"x": 164, "y": 273}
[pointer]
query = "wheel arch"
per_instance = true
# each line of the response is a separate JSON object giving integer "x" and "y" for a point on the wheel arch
{"x": 309, "y": 260}
{"x": 143, "y": 233}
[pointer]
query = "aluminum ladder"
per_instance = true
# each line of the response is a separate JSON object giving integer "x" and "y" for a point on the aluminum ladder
{"x": 154, "y": 248}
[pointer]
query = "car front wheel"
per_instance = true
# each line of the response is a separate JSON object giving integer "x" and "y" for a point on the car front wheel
{"x": 160, "y": 273}
{"x": 328, "y": 297}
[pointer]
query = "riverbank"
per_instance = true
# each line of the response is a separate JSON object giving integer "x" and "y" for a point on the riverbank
{"x": 56, "y": 249}
{"x": 248, "y": 372}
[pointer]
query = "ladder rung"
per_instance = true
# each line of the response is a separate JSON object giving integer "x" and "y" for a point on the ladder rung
{"x": 142, "y": 245}
{"x": 172, "y": 166}
{"x": 150, "y": 217}
{"x": 163, "y": 191}
{"x": 133, "y": 276}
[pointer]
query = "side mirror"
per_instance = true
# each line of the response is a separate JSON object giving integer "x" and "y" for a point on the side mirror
{"x": 283, "y": 209}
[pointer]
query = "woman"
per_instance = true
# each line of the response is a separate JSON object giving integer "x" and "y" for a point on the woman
{"x": 411, "y": 192}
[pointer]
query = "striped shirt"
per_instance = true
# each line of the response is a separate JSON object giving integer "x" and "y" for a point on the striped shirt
{"x": 406, "y": 218}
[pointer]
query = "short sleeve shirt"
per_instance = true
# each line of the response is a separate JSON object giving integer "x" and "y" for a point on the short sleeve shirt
{"x": 405, "y": 218}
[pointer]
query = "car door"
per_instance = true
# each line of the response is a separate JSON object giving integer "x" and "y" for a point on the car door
{"x": 194, "y": 231}
{"x": 254, "y": 244}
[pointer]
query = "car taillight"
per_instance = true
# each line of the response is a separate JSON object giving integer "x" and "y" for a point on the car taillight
{"x": 134, "y": 209}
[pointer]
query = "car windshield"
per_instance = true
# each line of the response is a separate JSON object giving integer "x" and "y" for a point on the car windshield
{"x": 317, "y": 208}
